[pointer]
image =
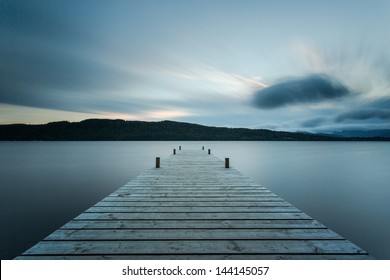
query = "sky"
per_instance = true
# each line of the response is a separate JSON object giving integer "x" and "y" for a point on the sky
{"x": 303, "y": 65}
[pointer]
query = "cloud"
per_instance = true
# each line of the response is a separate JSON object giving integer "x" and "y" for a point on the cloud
{"x": 313, "y": 122}
{"x": 55, "y": 57}
{"x": 362, "y": 65}
{"x": 363, "y": 114}
{"x": 48, "y": 60}
{"x": 381, "y": 103}
{"x": 53, "y": 79}
{"x": 310, "y": 89}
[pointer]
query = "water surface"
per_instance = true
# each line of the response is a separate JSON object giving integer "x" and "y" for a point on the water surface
{"x": 344, "y": 185}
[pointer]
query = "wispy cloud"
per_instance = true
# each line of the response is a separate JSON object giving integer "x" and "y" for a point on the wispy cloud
{"x": 364, "y": 114}
{"x": 204, "y": 75}
{"x": 314, "y": 122}
{"x": 361, "y": 66}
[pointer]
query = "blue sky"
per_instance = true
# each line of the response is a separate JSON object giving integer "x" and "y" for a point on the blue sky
{"x": 284, "y": 65}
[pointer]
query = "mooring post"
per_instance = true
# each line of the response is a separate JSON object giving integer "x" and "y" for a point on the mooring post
{"x": 202, "y": 148}
{"x": 174, "y": 151}
{"x": 157, "y": 162}
{"x": 226, "y": 162}
{"x": 209, "y": 152}
{"x": 179, "y": 148}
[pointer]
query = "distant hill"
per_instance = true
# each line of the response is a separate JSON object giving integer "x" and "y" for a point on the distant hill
{"x": 384, "y": 133}
{"x": 120, "y": 130}
{"x": 104, "y": 130}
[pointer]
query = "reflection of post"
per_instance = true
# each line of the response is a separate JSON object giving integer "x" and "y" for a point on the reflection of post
{"x": 209, "y": 151}
{"x": 226, "y": 162}
{"x": 157, "y": 162}
{"x": 174, "y": 151}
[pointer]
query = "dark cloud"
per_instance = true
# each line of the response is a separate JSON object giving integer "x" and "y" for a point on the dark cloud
{"x": 48, "y": 60}
{"x": 43, "y": 20}
{"x": 311, "y": 89}
{"x": 49, "y": 78}
{"x": 363, "y": 114}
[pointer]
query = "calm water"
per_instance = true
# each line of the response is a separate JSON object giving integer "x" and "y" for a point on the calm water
{"x": 345, "y": 185}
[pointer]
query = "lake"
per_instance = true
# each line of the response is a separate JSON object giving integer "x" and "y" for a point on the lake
{"x": 344, "y": 185}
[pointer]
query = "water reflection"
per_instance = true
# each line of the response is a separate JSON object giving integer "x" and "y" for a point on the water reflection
{"x": 342, "y": 184}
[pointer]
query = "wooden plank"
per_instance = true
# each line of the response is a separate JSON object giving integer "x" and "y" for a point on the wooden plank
{"x": 191, "y": 189}
{"x": 205, "y": 195}
{"x": 188, "y": 224}
{"x": 192, "y": 199}
{"x": 193, "y": 234}
{"x": 213, "y": 256}
{"x": 196, "y": 216}
{"x": 191, "y": 204}
{"x": 198, "y": 190}
{"x": 182, "y": 186}
{"x": 192, "y": 209}
{"x": 195, "y": 247}
{"x": 194, "y": 193}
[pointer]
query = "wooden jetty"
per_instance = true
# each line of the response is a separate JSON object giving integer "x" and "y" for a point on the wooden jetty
{"x": 192, "y": 206}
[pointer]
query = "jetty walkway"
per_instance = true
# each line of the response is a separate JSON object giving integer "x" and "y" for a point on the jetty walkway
{"x": 191, "y": 206}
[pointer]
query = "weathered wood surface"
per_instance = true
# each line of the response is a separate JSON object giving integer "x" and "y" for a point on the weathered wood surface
{"x": 193, "y": 208}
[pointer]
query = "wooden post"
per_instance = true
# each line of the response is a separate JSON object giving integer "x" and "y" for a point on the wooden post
{"x": 202, "y": 148}
{"x": 209, "y": 151}
{"x": 179, "y": 148}
{"x": 157, "y": 162}
{"x": 174, "y": 151}
{"x": 226, "y": 162}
